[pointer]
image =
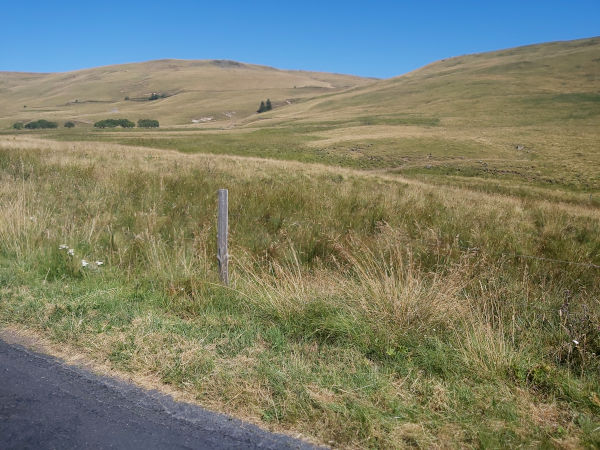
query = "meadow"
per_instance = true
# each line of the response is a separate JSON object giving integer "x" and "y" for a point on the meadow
{"x": 414, "y": 261}
{"x": 366, "y": 308}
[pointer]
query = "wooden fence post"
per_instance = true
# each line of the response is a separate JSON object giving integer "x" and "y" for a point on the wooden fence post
{"x": 222, "y": 230}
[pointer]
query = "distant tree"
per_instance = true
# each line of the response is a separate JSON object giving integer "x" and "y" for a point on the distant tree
{"x": 265, "y": 106}
{"x": 148, "y": 123}
{"x": 112, "y": 123}
{"x": 106, "y": 123}
{"x": 126, "y": 97}
{"x": 69, "y": 124}
{"x": 40, "y": 124}
{"x": 126, "y": 123}
{"x": 18, "y": 126}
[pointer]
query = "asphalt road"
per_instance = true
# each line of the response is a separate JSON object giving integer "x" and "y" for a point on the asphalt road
{"x": 46, "y": 404}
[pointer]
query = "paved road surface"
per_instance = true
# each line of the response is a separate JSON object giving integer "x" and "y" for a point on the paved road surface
{"x": 46, "y": 404}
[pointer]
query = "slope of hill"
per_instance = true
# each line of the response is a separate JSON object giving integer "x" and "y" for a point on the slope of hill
{"x": 457, "y": 303}
{"x": 530, "y": 113}
{"x": 523, "y": 116}
{"x": 216, "y": 89}
{"x": 502, "y": 88}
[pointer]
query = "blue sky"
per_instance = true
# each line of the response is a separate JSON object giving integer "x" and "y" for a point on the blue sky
{"x": 376, "y": 38}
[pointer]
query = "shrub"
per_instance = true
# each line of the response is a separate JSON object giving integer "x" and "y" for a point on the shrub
{"x": 112, "y": 123}
{"x": 41, "y": 124}
{"x": 154, "y": 96}
{"x": 18, "y": 126}
{"x": 148, "y": 123}
{"x": 69, "y": 124}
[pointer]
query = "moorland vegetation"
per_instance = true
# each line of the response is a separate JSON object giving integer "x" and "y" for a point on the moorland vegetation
{"x": 364, "y": 309}
{"x": 414, "y": 261}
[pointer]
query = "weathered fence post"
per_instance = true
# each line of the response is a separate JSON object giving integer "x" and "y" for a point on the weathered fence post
{"x": 222, "y": 229}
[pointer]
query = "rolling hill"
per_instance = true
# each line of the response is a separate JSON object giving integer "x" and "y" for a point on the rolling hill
{"x": 439, "y": 289}
{"x": 532, "y": 84}
{"x": 526, "y": 114}
{"x": 529, "y": 113}
{"x": 193, "y": 90}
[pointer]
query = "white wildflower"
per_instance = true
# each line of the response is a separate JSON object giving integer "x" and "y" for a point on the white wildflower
{"x": 84, "y": 263}
{"x": 99, "y": 263}
{"x": 575, "y": 341}
{"x": 71, "y": 252}
{"x": 63, "y": 247}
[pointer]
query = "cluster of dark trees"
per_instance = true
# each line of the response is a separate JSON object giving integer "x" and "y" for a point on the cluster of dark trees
{"x": 148, "y": 123}
{"x": 125, "y": 123}
{"x": 40, "y": 124}
{"x": 35, "y": 125}
{"x": 265, "y": 106}
{"x": 156, "y": 96}
{"x": 153, "y": 96}
{"x": 106, "y": 123}
{"x": 112, "y": 123}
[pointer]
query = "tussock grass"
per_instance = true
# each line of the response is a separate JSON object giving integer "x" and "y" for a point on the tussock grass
{"x": 364, "y": 311}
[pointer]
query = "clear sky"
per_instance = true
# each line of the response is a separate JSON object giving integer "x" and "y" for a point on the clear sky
{"x": 370, "y": 38}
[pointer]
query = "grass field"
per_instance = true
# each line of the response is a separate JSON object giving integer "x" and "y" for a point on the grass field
{"x": 415, "y": 261}
{"x": 365, "y": 309}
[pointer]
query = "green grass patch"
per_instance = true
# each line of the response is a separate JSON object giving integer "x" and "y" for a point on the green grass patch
{"x": 362, "y": 310}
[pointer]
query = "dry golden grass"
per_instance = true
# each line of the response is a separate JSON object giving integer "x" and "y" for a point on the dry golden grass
{"x": 195, "y": 89}
{"x": 88, "y": 153}
{"x": 405, "y": 328}
{"x": 446, "y": 297}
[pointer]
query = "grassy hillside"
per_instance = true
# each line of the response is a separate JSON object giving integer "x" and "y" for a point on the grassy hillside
{"x": 434, "y": 279}
{"x": 222, "y": 90}
{"x": 521, "y": 121}
{"x": 529, "y": 114}
{"x": 365, "y": 310}
{"x": 519, "y": 86}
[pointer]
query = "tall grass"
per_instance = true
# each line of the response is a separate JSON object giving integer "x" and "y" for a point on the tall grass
{"x": 363, "y": 310}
